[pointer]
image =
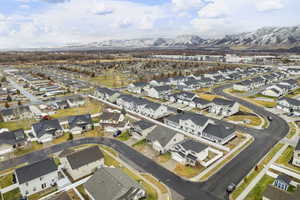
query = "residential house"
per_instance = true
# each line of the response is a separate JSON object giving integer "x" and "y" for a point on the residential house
{"x": 63, "y": 104}
{"x": 36, "y": 177}
{"x": 200, "y": 103}
{"x": 113, "y": 184}
{"x": 137, "y": 87}
{"x": 8, "y": 114}
{"x": 189, "y": 122}
{"x": 224, "y": 107}
{"x": 162, "y": 139}
{"x": 289, "y": 105}
{"x": 81, "y": 163}
{"x": 296, "y": 157}
{"x": 111, "y": 118}
{"x": 189, "y": 152}
{"x": 282, "y": 182}
{"x": 218, "y": 133}
{"x": 245, "y": 85}
{"x": 140, "y": 129}
{"x": 11, "y": 140}
{"x": 46, "y": 130}
{"x": 80, "y": 123}
{"x": 106, "y": 94}
{"x": 76, "y": 101}
{"x": 159, "y": 92}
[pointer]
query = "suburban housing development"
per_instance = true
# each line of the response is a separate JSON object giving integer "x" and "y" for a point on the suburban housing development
{"x": 150, "y": 126}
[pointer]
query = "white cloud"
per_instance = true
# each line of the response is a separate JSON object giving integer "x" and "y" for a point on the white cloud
{"x": 216, "y": 9}
{"x": 268, "y": 5}
{"x": 183, "y": 5}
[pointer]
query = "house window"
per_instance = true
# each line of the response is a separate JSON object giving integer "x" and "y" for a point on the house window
{"x": 26, "y": 184}
{"x": 44, "y": 185}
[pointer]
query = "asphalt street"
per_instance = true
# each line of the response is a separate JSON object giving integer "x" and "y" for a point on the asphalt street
{"x": 215, "y": 187}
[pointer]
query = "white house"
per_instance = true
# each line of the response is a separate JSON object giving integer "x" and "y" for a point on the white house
{"x": 162, "y": 139}
{"x": 81, "y": 163}
{"x": 289, "y": 105}
{"x": 189, "y": 152}
{"x": 36, "y": 177}
{"x": 12, "y": 140}
{"x": 158, "y": 91}
{"x": 140, "y": 129}
{"x": 137, "y": 87}
{"x": 80, "y": 123}
{"x": 46, "y": 130}
{"x": 218, "y": 133}
{"x": 224, "y": 107}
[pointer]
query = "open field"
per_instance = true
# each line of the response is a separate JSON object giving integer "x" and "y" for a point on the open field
{"x": 91, "y": 107}
{"x": 111, "y": 79}
{"x": 19, "y": 124}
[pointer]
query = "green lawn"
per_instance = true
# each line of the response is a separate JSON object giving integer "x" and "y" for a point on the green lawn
{"x": 260, "y": 187}
{"x": 34, "y": 146}
{"x": 20, "y": 124}
{"x": 124, "y": 136}
{"x": 6, "y": 180}
{"x": 164, "y": 157}
{"x": 293, "y": 130}
{"x": 188, "y": 171}
{"x": 286, "y": 157}
{"x": 252, "y": 119}
{"x": 254, "y": 173}
{"x": 81, "y": 190}
{"x": 12, "y": 195}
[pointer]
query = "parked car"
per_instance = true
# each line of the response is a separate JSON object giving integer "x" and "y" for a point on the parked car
{"x": 231, "y": 187}
{"x": 270, "y": 118}
{"x": 117, "y": 133}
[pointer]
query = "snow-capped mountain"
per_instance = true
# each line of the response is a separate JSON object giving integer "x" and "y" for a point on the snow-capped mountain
{"x": 267, "y": 37}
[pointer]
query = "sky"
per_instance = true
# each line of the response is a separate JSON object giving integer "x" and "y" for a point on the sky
{"x": 54, "y": 23}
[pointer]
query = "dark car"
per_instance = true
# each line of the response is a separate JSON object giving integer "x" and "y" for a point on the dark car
{"x": 117, "y": 133}
{"x": 230, "y": 188}
{"x": 270, "y": 118}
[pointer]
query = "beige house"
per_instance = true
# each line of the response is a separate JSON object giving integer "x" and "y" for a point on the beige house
{"x": 81, "y": 163}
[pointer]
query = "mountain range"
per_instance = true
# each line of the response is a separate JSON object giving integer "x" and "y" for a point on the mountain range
{"x": 267, "y": 37}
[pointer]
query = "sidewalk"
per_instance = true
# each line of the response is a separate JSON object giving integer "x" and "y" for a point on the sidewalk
{"x": 259, "y": 176}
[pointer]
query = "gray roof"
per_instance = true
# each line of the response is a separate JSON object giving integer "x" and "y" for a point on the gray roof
{"x": 13, "y": 137}
{"x": 196, "y": 118}
{"x": 79, "y": 120}
{"x": 35, "y": 170}
{"x": 161, "y": 134}
{"x": 46, "y": 127}
{"x": 198, "y": 100}
{"x": 110, "y": 184}
{"x": 110, "y": 116}
{"x": 218, "y": 130}
{"x": 291, "y": 101}
{"x": 225, "y": 102}
{"x": 84, "y": 157}
{"x": 298, "y": 145}
{"x": 162, "y": 88}
{"x": 193, "y": 145}
{"x": 143, "y": 124}
{"x": 284, "y": 178}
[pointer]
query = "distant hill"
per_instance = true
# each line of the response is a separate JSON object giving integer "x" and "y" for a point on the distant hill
{"x": 263, "y": 38}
